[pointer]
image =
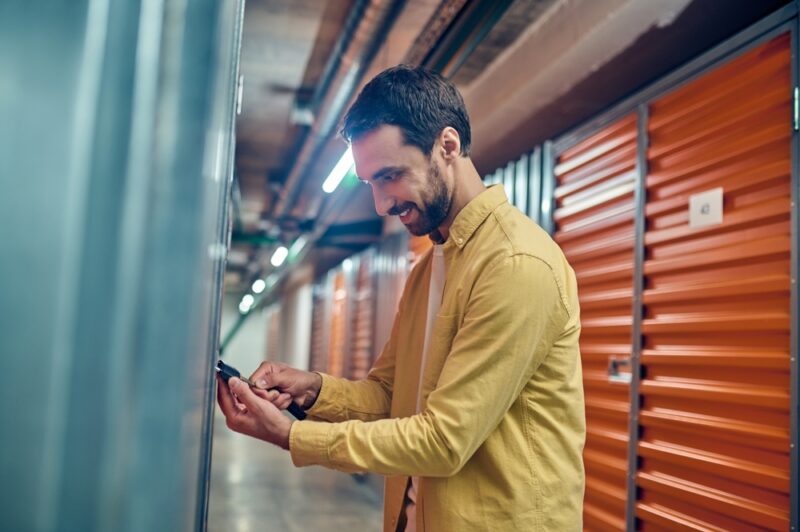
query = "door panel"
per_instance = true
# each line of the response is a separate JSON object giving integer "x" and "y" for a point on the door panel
{"x": 714, "y": 422}
{"x": 594, "y": 218}
{"x": 362, "y": 320}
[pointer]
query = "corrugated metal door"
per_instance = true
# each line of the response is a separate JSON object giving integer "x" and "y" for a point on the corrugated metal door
{"x": 318, "y": 358}
{"x": 362, "y": 323}
{"x": 714, "y": 419}
{"x": 338, "y": 326}
{"x": 594, "y": 217}
{"x": 389, "y": 270}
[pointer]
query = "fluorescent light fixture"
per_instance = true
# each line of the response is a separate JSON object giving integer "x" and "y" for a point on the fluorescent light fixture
{"x": 259, "y": 285}
{"x": 246, "y": 304}
{"x": 297, "y": 246}
{"x": 279, "y": 256}
{"x": 339, "y": 171}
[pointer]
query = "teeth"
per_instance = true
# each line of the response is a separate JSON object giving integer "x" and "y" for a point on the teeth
{"x": 405, "y": 212}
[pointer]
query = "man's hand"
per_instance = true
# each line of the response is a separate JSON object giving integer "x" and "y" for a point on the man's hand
{"x": 296, "y": 385}
{"x": 249, "y": 414}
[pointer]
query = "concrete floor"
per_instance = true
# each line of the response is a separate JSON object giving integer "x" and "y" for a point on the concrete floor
{"x": 255, "y": 487}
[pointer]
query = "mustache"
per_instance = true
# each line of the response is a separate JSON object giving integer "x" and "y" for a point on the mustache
{"x": 397, "y": 209}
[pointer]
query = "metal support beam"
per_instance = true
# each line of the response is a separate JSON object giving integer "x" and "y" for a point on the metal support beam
{"x": 794, "y": 371}
{"x": 640, "y": 200}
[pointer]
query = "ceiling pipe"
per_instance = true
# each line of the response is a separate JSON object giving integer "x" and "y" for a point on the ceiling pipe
{"x": 367, "y": 38}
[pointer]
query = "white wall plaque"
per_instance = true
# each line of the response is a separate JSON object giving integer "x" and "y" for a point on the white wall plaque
{"x": 705, "y": 208}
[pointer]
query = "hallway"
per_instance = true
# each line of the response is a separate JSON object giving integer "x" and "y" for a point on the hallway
{"x": 255, "y": 487}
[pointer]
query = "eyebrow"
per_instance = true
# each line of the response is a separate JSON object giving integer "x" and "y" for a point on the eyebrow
{"x": 386, "y": 171}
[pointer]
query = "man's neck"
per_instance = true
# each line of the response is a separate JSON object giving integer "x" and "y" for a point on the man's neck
{"x": 466, "y": 187}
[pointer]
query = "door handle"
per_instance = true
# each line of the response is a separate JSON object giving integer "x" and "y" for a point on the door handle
{"x": 614, "y": 375}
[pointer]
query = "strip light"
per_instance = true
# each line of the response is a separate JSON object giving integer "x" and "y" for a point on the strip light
{"x": 246, "y": 304}
{"x": 339, "y": 171}
{"x": 279, "y": 256}
{"x": 259, "y": 285}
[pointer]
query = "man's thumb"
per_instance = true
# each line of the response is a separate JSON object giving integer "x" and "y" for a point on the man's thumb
{"x": 243, "y": 392}
{"x": 276, "y": 379}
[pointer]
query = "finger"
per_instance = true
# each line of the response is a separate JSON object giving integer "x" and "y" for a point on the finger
{"x": 260, "y": 374}
{"x": 226, "y": 402}
{"x": 269, "y": 395}
{"x": 283, "y": 402}
{"x": 275, "y": 377}
{"x": 245, "y": 394}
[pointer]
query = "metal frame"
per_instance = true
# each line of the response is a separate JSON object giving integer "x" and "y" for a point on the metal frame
{"x": 794, "y": 372}
{"x": 535, "y": 185}
{"x": 781, "y": 21}
{"x": 522, "y": 182}
{"x": 548, "y": 187}
{"x": 223, "y": 238}
{"x": 642, "y": 143}
{"x": 509, "y": 179}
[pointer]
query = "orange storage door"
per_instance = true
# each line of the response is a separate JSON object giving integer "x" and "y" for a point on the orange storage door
{"x": 714, "y": 421}
{"x": 362, "y": 324}
{"x": 338, "y": 326}
{"x": 594, "y": 217}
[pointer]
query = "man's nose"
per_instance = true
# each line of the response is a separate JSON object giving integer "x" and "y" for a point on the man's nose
{"x": 383, "y": 203}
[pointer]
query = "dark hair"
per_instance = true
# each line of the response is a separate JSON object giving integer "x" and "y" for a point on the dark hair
{"x": 418, "y": 101}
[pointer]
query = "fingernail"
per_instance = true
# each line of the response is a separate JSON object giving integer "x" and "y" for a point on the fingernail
{"x": 261, "y": 383}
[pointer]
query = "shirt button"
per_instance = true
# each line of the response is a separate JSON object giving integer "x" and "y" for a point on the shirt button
{"x": 459, "y": 241}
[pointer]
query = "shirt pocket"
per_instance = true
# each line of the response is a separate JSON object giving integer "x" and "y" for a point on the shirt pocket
{"x": 439, "y": 344}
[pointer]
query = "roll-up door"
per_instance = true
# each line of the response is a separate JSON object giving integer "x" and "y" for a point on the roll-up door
{"x": 522, "y": 181}
{"x": 319, "y": 327}
{"x": 714, "y": 421}
{"x": 594, "y": 216}
{"x": 508, "y": 181}
{"x": 338, "y": 325}
{"x": 362, "y": 322}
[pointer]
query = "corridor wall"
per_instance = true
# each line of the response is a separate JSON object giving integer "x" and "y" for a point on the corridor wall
{"x": 115, "y": 162}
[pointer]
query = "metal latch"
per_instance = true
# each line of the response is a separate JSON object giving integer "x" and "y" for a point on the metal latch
{"x": 614, "y": 374}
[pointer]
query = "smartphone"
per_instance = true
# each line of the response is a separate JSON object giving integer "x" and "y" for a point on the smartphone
{"x": 226, "y": 372}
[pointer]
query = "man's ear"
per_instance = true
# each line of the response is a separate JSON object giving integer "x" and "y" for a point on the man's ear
{"x": 451, "y": 143}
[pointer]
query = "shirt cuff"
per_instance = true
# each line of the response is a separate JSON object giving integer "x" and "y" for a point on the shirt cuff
{"x": 308, "y": 443}
{"x": 328, "y": 404}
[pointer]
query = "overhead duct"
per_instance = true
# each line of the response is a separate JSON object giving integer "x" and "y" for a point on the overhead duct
{"x": 375, "y": 23}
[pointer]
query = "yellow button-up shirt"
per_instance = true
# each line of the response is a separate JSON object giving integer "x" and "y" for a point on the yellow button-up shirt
{"x": 498, "y": 443}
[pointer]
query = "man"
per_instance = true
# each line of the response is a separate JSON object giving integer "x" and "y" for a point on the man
{"x": 474, "y": 409}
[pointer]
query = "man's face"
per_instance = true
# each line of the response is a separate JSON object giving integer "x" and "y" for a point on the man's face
{"x": 405, "y": 182}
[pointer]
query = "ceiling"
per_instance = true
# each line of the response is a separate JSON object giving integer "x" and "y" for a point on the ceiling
{"x": 528, "y": 69}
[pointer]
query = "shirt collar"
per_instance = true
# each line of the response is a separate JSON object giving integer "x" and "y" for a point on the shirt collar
{"x": 474, "y": 214}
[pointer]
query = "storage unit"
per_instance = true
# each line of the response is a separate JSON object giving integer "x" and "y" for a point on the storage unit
{"x": 689, "y": 337}
{"x": 714, "y": 438}
{"x": 318, "y": 358}
{"x": 364, "y": 303}
{"x": 337, "y": 345}
{"x": 594, "y": 216}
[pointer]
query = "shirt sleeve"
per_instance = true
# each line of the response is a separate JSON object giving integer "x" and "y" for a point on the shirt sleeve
{"x": 515, "y": 314}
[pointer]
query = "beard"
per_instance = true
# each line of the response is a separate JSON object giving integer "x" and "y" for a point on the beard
{"x": 435, "y": 204}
